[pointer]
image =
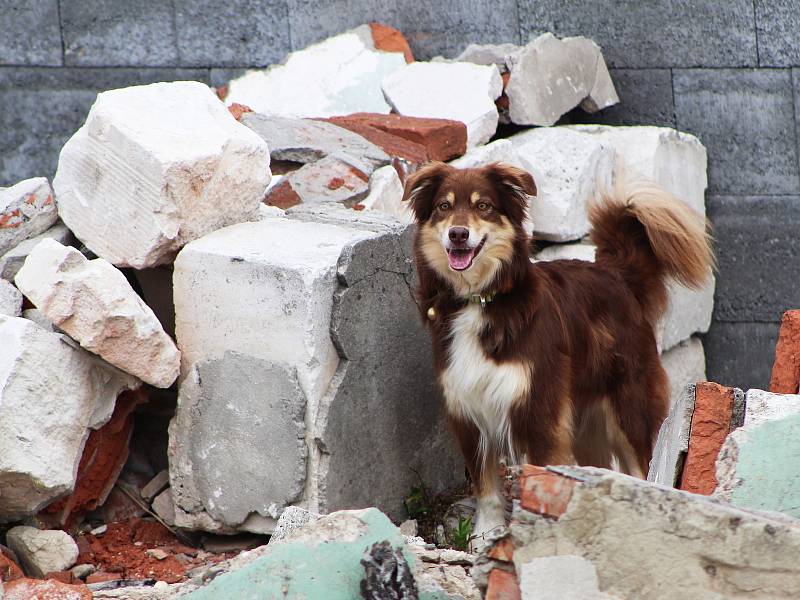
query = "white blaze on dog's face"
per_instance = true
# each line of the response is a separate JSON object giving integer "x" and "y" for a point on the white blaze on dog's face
{"x": 469, "y": 220}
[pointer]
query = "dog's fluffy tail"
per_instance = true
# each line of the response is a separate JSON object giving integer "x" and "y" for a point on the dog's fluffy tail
{"x": 650, "y": 235}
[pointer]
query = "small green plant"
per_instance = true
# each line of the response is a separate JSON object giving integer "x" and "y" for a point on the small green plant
{"x": 416, "y": 503}
{"x": 461, "y": 535}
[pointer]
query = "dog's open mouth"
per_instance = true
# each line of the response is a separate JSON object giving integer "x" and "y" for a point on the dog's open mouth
{"x": 461, "y": 258}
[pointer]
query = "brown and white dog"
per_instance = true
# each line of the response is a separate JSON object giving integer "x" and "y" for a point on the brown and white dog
{"x": 552, "y": 362}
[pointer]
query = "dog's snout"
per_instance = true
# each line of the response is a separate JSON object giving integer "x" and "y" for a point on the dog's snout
{"x": 458, "y": 235}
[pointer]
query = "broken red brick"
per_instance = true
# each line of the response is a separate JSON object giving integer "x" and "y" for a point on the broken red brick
{"x": 711, "y": 424}
{"x": 9, "y": 570}
{"x": 358, "y": 206}
{"x": 335, "y": 183}
{"x": 237, "y": 110}
{"x": 50, "y": 589}
{"x": 101, "y": 576}
{"x": 443, "y": 139}
{"x": 502, "y": 550}
{"x": 502, "y": 586}
{"x": 62, "y": 576}
{"x": 786, "y": 369}
{"x": 283, "y": 196}
{"x": 544, "y": 492}
{"x": 104, "y": 455}
{"x": 502, "y": 102}
{"x": 394, "y": 145}
{"x": 222, "y": 92}
{"x": 390, "y": 39}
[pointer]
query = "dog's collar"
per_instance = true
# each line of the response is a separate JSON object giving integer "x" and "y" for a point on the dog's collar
{"x": 481, "y": 299}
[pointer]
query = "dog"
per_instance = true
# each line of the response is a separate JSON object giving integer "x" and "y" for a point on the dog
{"x": 547, "y": 362}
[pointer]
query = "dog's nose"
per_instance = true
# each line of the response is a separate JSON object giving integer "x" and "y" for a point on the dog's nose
{"x": 458, "y": 235}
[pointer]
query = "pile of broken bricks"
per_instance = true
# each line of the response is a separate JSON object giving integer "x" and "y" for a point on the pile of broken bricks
{"x": 217, "y": 290}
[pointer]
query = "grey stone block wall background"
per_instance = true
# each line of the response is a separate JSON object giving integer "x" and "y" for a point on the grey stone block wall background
{"x": 728, "y": 72}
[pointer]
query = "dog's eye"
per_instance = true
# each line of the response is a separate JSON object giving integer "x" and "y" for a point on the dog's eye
{"x": 444, "y": 206}
{"x": 483, "y": 206}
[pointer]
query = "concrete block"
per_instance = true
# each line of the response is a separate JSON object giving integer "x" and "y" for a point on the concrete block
{"x": 342, "y": 179}
{"x": 718, "y": 410}
{"x": 31, "y": 34}
{"x": 672, "y": 443}
{"x": 338, "y": 76}
{"x": 40, "y": 448}
{"x": 754, "y": 155}
{"x": 500, "y": 55}
{"x": 292, "y": 519}
{"x": 562, "y": 577}
{"x": 120, "y": 167}
{"x": 253, "y": 35}
{"x": 740, "y": 353}
{"x": 685, "y": 364}
{"x": 549, "y": 77}
{"x": 569, "y": 168}
{"x": 645, "y": 34}
{"x": 786, "y": 369}
{"x": 757, "y": 467}
{"x": 137, "y": 33}
{"x": 777, "y": 26}
{"x": 757, "y": 248}
{"x": 386, "y": 195}
{"x": 305, "y": 140}
{"x": 13, "y": 259}
{"x": 656, "y": 542}
{"x": 42, "y": 551}
{"x": 645, "y": 99}
{"x": 10, "y": 300}
{"x": 92, "y": 302}
{"x": 210, "y": 483}
{"x": 448, "y": 90}
{"x": 26, "y": 210}
{"x": 497, "y": 151}
{"x": 763, "y": 406}
{"x": 32, "y": 143}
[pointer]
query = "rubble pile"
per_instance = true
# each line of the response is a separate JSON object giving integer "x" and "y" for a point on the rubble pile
{"x": 211, "y": 337}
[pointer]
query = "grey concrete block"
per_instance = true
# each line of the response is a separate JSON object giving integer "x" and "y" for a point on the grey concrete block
{"x": 740, "y": 354}
{"x": 236, "y": 415}
{"x": 29, "y": 33}
{"x": 632, "y": 33}
{"x": 743, "y": 117}
{"x": 236, "y": 33}
{"x": 105, "y": 33}
{"x": 432, "y": 28}
{"x": 645, "y": 98}
{"x": 41, "y": 108}
{"x": 757, "y": 246}
{"x": 778, "y": 27}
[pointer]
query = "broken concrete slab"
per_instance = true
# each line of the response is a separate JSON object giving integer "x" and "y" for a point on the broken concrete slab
{"x": 207, "y": 473}
{"x": 685, "y": 364}
{"x": 757, "y": 466}
{"x": 292, "y": 519}
{"x": 168, "y": 157}
{"x": 155, "y": 486}
{"x": 94, "y": 304}
{"x": 682, "y": 545}
{"x": 448, "y": 90}
{"x": 386, "y": 195}
{"x": 550, "y": 77}
{"x": 569, "y": 168}
{"x": 338, "y": 76}
{"x": 718, "y": 410}
{"x": 496, "y": 151}
{"x": 500, "y": 55}
{"x": 307, "y": 140}
{"x": 669, "y": 452}
{"x": 443, "y": 139}
{"x": 42, "y": 551}
{"x": 12, "y": 261}
{"x": 565, "y": 577}
{"x": 43, "y": 369}
{"x": 26, "y": 209}
{"x": 785, "y": 377}
{"x": 10, "y": 300}
{"x": 341, "y": 179}
{"x": 763, "y": 406}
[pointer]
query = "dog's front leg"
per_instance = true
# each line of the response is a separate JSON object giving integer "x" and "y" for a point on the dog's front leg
{"x": 490, "y": 516}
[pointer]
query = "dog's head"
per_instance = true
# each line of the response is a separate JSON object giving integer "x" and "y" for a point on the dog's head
{"x": 469, "y": 220}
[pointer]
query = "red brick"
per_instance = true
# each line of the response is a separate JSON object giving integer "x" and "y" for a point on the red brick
{"x": 443, "y": 139}
{"x": 711, "y": 424}
{"x": 104, "y": 455}
{"x": 786, "y": 370}
{"x": 101, "y": 576}
{"x": 502, "y": 550}
{"x": 62, "y": 576}
{"x": 394, "y": 145}
{"x": 40, "y": 589}
{"x": 544, "y": 492}
{"x": 283, "y": 196}
{"x": 9, "y": 570}
{"x": 237, "y": 110}
{"x": 502, "y": 586}
{"x": 390, "y": 39}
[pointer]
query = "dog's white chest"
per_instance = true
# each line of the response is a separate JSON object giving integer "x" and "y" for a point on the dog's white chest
{"x": 476, "y": 387}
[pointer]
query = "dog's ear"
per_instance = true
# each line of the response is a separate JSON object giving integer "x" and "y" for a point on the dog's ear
{"x": 514, "y": 185}
{"x": 421, "y": 187}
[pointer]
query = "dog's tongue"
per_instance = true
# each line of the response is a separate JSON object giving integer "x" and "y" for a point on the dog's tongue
{"x": 460, "y": 259}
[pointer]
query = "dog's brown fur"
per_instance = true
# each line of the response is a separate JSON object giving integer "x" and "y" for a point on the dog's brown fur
{"x": 568, "y": 347}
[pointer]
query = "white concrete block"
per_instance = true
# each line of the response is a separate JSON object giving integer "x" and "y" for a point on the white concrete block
{"x": 10, "y": 300}
{"x": 26, "y": 209}
{"x": 386, "y": 195}
{"x": 51, "y": 393}
{"x": 496, "y": 151}
{"x": 763, "y": 406}
{"x": 685, "y": 364}
{"x": 93, "y": 303}
{"x": 338, "y": 76}
{"x": 42, "y": 551}
{"x": 448, "y": 90}
{"x": 550, "y": 77}
{"x": 11, "y": 261}
{"x": 154, "y": 167}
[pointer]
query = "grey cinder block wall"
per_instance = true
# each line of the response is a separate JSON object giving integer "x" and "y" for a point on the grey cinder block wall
{"x": 728, "y": 72}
